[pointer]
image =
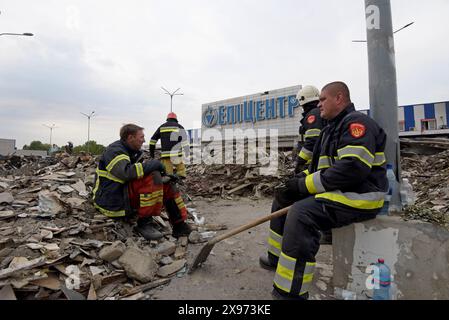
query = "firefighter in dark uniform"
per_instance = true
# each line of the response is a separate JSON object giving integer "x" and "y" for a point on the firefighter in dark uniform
{"x": 309, "y": 130}
{"x": 125, "y": 187}
{"x": 173, "y": 142}
{"x": 345, "y": 183}
{"x": 311, "y": 125}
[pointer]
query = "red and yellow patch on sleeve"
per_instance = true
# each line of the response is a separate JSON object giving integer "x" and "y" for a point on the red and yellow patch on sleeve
{"x": 311, "y": 119}
{"x": 357, "y": 130}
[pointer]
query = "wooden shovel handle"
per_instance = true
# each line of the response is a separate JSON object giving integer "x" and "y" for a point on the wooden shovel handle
{"x": 249, "y": 225}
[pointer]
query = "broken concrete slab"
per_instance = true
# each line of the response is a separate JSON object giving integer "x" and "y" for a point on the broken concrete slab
{"x": 65, "y": 189}
{"x": 416, "y": 252}
{"x": 7, "y": 214}
{"x": 170, "y": 269}
{"x": 7, "y": 293}
{"x": 49, "y": 203}
{"x": 112, "y": 252}
{"x": 6, "y": 197}
{"x": 138, "y": 264}
{"x": 166, "y": 248}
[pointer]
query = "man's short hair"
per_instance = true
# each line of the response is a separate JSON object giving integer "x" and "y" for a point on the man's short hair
{"x": 129, "y": 130}
{"x": 338, "y": 86}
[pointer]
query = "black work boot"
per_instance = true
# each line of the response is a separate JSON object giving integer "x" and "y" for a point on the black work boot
{"x": 268, "y": 261}
{"x": 181, "y": 229}
{"x": 326, "y": 237}
{"x": 279, "y": 295}
{"x": 147, "y": 230}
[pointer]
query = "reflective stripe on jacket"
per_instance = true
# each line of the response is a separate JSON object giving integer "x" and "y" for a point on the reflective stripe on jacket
{"x": 173, "y": 139}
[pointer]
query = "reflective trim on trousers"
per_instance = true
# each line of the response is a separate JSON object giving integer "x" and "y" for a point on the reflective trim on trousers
{"x": 274, "y": 243}
{"x": 364, "y": 201}
{"x": 110, "y": 214}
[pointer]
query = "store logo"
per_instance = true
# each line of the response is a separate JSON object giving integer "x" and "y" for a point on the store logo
{"x": 210, "y": 117}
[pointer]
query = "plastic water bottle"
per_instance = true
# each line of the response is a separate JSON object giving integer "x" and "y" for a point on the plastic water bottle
{"x": 383, "y": 284}
{"x": 408, "y": 197}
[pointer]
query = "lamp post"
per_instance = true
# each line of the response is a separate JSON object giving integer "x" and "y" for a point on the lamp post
{"x": 88, "y": 126}
{"x": 27, "y": 34}
{"x": 171, "y": 96}
{"x": 51, "y": 132}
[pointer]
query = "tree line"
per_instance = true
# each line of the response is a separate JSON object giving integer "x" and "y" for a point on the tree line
{"x": 93, "y": 147}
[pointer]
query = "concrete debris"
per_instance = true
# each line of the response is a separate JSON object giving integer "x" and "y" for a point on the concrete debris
{"x": 138, "y": 264}
{"x": 6, "y": 198}
{"x": 429, "y": 176}
{"x": 50, "y": 234}
{"x": 166, "y": 248}
{"x": 112, "y": 252}
{"x": 170, "y": 269}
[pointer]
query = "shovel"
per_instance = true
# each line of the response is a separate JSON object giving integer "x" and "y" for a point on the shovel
{"x": 205, "y": 251}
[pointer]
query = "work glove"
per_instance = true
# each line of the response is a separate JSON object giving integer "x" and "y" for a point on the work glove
{"x": 298, "y": 167}
{"x": 153, "y": 165}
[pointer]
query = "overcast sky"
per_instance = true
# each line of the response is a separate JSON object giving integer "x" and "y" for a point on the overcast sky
{"x": 113, "y": 57}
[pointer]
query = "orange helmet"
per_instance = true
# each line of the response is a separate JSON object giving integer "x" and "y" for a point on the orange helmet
{"x": 172, "y": 115}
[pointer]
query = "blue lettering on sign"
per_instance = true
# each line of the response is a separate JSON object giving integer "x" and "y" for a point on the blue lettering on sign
{"x": 259, "y": 111}
{"x": 248, "y": 111}
{"x": 251, "y": 111}
{"x": 230, "y": 115}
{"x": 292, "y": 104}
{"x": 221, "y": 115}
{"x": 270, "y": 112}
{"x": 239, "y": 113}
{"x": 281, "y": 107}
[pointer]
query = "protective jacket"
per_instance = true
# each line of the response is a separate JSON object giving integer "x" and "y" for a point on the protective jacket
{"x": 348, "y": 167}
{"x": 310, "y": 129}
{"x": 117, "y": 166}
{"x": 173, "y": 139}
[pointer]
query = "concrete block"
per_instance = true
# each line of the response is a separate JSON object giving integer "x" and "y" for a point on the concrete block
{"x": 138, "y": 264}
{"x": 167, "y": 270}
{"x": 112, "y": 252}
{"x": 166, "y": 248}
{"x": 416, "y": 252}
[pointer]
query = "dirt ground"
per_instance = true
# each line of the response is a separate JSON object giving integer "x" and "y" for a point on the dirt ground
{"x": 232, "y": 270}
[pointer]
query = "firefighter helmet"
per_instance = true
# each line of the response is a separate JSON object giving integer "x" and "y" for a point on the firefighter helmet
{"x": 308, "y": 94}
{"x": 172, "y": 115}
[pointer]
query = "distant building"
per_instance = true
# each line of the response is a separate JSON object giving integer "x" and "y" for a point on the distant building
{"x": 7, "y": 146}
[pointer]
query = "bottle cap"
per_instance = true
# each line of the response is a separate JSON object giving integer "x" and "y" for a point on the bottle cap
{"x": 389, "y": 166}
{"x": 380, "y": 260}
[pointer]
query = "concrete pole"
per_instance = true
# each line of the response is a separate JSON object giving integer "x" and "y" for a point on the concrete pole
{"x": 382, "y": 79}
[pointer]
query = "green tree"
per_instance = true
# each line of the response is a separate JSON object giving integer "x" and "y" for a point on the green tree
{"x": 37, "y": 145}
{"x": 94, "y": 148}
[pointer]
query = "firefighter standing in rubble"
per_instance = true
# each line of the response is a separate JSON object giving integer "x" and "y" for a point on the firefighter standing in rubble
{"x": 346, "y": 183}
{"x": 173, "y": 142}
{"x": 124, "y": 187}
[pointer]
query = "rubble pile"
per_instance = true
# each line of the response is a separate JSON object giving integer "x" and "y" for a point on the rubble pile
{"x": 55, "y": 245}
{"x": 227, "y": 181}
{"x": 429, "y": 176}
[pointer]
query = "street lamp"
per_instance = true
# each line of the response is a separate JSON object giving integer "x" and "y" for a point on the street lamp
{"x": 171, "y": 96}
{"x": 27, "y": 34}
{"x": 406, "y": 26}
{"x": 51, "y": 132}
{"x": 88, "y": 126}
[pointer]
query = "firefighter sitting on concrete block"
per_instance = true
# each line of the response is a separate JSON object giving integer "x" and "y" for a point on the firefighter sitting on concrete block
{"x": 124, "y": 186}
{"x": 345, "y": 183}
